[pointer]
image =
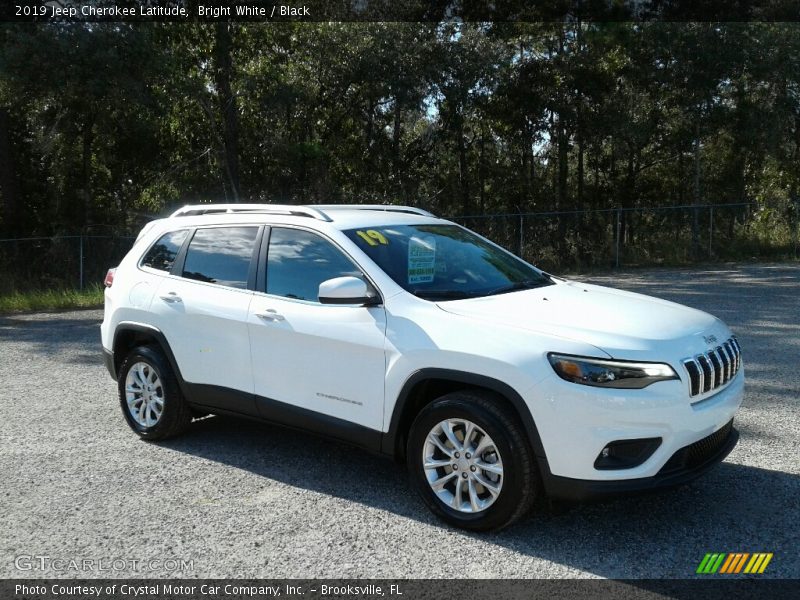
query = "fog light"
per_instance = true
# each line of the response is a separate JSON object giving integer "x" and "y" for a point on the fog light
{"x": 626, "y": 454}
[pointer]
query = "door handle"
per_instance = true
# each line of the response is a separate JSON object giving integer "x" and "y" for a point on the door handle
{"x": 270, "y": 315}
{"x": 171, "y": 297}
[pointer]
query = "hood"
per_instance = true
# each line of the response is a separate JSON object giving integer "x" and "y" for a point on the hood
{"x": 625, "y": 325}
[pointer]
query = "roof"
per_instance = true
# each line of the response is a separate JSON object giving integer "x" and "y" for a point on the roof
{"x": 339, "y": 216}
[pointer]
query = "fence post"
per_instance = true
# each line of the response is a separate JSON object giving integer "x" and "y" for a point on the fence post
{"x": 710, "y": 229}
{"x": 616, "y": 249}
{"x": 795, "y": 223}
{"x": 80, "y": 283}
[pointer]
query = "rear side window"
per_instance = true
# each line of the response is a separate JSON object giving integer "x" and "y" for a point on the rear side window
{"x": 221, "y": 255}
{"x": 298, "y": 261}
{"x": 162, "y": 254}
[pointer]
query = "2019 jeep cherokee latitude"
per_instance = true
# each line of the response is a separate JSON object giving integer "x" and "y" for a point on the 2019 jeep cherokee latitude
{"x": 387, "y": 327}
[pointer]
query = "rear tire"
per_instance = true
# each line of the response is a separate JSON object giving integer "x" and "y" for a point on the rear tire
{"x": 485, "y": 483}
{"x": 150, "y": 397}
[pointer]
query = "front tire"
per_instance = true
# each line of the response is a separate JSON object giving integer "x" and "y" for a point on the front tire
{"x": 150, "y": 397}
{"x": 470, "y": 461}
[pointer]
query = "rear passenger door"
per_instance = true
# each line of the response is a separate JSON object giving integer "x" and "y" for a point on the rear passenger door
{"x": 156, "y": 264}
{"x": 202, "y": 307}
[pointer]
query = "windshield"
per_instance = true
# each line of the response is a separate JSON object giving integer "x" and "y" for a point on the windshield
{"x": 440, "y": 262}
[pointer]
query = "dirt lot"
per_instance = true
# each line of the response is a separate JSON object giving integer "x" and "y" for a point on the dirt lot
{"x": 233, "y": 498}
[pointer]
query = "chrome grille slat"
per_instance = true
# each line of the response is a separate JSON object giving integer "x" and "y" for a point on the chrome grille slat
{"x": 735, "y": 355}
{"x": 718, "y": 370}
{"x": 713, "y": 369}
{"x": 735, "y": 344}
{"x": 732, "y": 350}
{"x": 695, "y": 375}
{"x": 723, "y": 360}
{"x": 727, "y": 348}
{"x": 702, "y": 377}
{"x": 708, "y": 372}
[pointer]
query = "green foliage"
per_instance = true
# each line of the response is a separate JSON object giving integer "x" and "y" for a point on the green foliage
{"x": 92, "y": 297}
{"x": 156, "y": 196}
{"x": 112, "y": 123}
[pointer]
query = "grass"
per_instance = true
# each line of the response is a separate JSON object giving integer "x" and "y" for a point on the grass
{"x": 91, "y": 297}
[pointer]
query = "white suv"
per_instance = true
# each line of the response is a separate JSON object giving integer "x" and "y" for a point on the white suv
{"x": 406, "y": 334}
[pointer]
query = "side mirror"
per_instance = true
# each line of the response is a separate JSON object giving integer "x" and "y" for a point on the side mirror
{"x": 347, "y": 290}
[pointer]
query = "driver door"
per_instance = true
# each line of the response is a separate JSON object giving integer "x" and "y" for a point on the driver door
{"x": 324, "y": 358}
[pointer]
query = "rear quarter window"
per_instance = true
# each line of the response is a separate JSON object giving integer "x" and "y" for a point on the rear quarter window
{"x": 161, "y": 255}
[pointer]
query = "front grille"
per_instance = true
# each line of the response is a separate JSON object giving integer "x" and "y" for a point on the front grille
{"x": 713, "y": 369}
{"x": 697, "y": 454}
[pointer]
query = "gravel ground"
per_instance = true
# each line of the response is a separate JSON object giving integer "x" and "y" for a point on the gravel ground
{"x": 245, "y": 500}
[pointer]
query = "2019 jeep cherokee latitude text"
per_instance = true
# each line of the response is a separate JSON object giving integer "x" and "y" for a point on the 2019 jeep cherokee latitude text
{"x": 397, "y": 331}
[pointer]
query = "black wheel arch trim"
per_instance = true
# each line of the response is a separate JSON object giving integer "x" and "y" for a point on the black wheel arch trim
{"x": 108, "y": 361}
{"x": 393, "y": 436}
{"x": 125, "y": 326}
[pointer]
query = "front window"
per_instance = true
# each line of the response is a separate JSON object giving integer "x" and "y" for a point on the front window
{"x": 298, "y": 261}
{"x": 445, "y": 261}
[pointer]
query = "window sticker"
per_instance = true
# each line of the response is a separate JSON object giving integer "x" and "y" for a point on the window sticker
{"x": 421, "y": 259}
{"x": 372, "y": 237}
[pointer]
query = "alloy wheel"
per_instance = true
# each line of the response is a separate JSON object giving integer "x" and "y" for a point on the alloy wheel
{"x": 462, "y": 465}
{"x": 144, "y": 394}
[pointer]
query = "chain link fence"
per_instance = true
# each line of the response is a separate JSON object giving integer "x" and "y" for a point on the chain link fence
{"x": 60, "y": 262}
{"x": 557, "y": 241}
{"x": 627, "y": 237}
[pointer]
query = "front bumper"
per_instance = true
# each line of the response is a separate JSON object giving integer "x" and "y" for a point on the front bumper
{"x": 575, "y": 423}
{"x": 685, "y": 465}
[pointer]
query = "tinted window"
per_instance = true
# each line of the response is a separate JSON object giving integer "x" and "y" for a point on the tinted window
{"x": 221, "y": 255}
{"x": 162, "y": 254}
{"x": 298, "y": 261}
{"x": 445, "y": 261}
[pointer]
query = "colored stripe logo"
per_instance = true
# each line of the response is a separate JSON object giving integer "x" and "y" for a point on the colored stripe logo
{"x": 732, "y": 563}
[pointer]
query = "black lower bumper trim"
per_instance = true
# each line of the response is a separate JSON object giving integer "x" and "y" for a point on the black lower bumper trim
{"x": 581, "y": 490}
{"x": 108, "y": 360}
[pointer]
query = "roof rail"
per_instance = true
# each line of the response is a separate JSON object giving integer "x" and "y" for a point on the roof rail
{"x": 193, "y": 210}
{"x": 383, "y": 207}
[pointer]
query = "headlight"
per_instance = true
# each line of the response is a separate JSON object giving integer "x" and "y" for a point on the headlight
{"x": 609, "y": 373}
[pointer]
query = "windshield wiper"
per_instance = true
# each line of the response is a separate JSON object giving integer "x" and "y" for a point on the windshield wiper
{"x": 519, "y": 285}
{"x": 443, "y": 294}
{"x": 462, "y": 294}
